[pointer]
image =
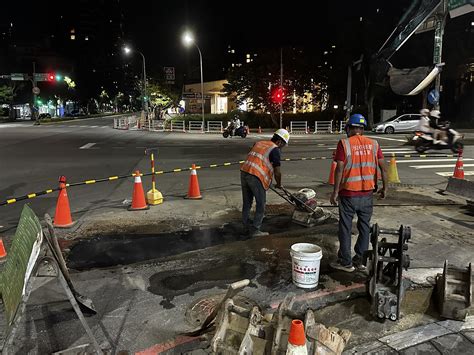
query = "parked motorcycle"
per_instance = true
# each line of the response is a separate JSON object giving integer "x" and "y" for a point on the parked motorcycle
{"x": 241, "y": 131}
{"x": 451, "y": 139}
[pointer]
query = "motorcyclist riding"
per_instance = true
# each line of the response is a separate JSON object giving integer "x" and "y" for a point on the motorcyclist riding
{"x": 439, "y": 134}
{"x": 236, "y": 124}
{"x": 424, "y": 122}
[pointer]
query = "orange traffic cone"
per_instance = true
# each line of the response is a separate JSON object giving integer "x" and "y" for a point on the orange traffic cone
{"x": 392, "y": 172}
{"x": 297, "y": 339}
{"x": 3, "y": 252}
{"x": 138, "y": 198}
{"x": 62, "y": 215}
{"x": 459, "y": 168}
{"x": 194, "y": 193}
{"x": 259, "y": 129}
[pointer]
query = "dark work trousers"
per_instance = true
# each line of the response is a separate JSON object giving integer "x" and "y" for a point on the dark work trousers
{"x": 348, "y": 206}
{"x": 252, "y": 187}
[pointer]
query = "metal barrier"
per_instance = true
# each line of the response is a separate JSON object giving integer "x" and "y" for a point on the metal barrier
{"x": 156, "y": 125}
{"x": 322, "y": 127}
{"x": 299, "y": 127}
{"x": 214, "y": 127}
{"x": 121, "y": 123}
{"x": 133, "y": 123}
{"x": 342, "y": 126}
{"x": 196, "y": 127}
{"x": 178, "y": 126}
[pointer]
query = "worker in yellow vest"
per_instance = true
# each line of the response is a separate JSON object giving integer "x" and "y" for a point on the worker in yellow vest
{"x": 256, "y": 175}
{"x": 358, "y": 158}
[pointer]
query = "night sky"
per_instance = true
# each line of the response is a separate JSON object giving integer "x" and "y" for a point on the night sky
{"x": 154, "y": 27}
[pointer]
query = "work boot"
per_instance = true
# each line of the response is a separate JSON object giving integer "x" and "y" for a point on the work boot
{"x": 259, "y": 233}
{"x": 337, "y": 266}
{"x": 358, "y": 264}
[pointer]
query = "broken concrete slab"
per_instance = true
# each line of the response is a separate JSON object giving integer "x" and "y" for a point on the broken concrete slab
{"x": 414, "y": 336}
{"x": 423, "y": 348}
{"x": 453, "y": 344}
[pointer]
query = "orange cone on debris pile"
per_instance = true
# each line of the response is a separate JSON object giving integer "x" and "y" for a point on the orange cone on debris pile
{"x": 459, "y": 168}
{"x": 194, "y": 193}
{"x": 297, "y": 339}
{"x": 62, "y": 215}
{"x": 333, "y": 170}
{"x": 3, "y": 252}
{"x": 138, "y": 197}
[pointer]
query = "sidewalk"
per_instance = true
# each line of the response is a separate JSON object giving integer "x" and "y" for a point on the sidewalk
{"x": 143, "y": 269}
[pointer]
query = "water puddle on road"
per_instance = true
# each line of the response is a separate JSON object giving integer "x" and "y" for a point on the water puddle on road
{"x": 112, "y": 250}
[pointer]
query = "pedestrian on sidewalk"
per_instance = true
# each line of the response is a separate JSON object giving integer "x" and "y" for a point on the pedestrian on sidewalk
{"x": 256, "y": 176}
{"x": 357, "y": 159}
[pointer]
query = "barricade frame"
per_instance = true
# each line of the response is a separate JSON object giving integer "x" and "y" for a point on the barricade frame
{"x": 299, "y": 127}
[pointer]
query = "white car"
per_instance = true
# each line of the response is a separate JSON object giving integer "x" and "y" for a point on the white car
{"x": 402, "y": 123}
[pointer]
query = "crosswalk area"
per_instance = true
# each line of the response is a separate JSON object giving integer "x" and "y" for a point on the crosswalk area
{"x": 431, "y": 162}
{"x": 72, "y": 126}
{"x": 441, "y": 163}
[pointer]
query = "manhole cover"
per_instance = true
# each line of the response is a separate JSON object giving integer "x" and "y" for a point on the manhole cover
{"x": 280, "y": 209}
{"x": 197, "y": 312}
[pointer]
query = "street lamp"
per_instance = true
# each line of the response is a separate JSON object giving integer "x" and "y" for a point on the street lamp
{"x": 127, "y": 50}
{"x": 188, "y": 39}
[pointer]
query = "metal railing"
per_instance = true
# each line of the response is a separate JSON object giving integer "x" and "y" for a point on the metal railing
{"x": 299, "y": 127}
{"x": 178, "y": 126}
{"x": 214, "y": 127}
{"x": 196, "y": 127}
{"x": 322, "y": 127}
{"x": 156, "y": 125}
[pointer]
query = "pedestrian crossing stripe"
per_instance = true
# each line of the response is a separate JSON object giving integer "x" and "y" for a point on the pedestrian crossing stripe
{"x": 438, "y": 166}
{"x": 430, "y": 160}
{"x": 451, "y": 173}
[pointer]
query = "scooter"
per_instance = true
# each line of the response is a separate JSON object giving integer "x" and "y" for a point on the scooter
{"x": 241, "y": 131}
{"x": 452, "y": 140}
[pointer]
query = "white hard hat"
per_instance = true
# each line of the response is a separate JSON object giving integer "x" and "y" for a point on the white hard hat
{"x": 435, "y": 113}
{"x": 283, "y": 134}
{"x": 425, "y": 111}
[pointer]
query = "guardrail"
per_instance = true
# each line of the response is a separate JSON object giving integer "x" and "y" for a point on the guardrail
{"x": 342, "y": 126}
{"x": 214, "y": 127}
{"x": 121, "y": 123}
{"x": 196, "y": 127}
{"x": 322, "y": 127}
{"x": 178, "y": 126}
{"x": 156, "y": 125}
{"x": 299, "y": 127}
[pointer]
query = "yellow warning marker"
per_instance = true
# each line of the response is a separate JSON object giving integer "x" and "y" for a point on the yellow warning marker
{"x": 153, "y": 197}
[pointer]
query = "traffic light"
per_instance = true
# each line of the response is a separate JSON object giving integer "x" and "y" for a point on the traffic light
{"x": 278, "y": 95}
{"x": 54, "y": 77}
{"x": 51, "y": 76}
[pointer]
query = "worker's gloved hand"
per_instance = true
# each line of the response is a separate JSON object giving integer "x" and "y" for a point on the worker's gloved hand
{"x": 334, "y": 197}
{"x": 383, "y": 193}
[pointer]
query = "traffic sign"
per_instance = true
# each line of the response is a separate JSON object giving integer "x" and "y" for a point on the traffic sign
{"x": 169, "y": 73}
{"x": 460, "y": 7}
{"x": 36, "y": 90}
{"x": 433, "y": 97}
{"x": 42, "y": 76}
{"x": 18, "y": 76}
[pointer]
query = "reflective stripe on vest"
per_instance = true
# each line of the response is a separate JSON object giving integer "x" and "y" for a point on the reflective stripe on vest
{"x": 258, "y": 162}
{"x": 360, "y": 168}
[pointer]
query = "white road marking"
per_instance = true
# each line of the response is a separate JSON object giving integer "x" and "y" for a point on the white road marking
{"x": 391, "y": 139}
{"x": 430, "y": 160}
{"x": 438, "y": 166}
{"x": 93, "y": 126}
{"x": 397, "y": 149}
{"x": 87, "y": 146}
{"x": 466, "y": 173}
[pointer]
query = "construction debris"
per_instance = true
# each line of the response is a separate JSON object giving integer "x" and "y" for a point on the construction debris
{"x": 454, "y": 290}
{"x": 328, "y": 341}
{"x": 385, "y": 263}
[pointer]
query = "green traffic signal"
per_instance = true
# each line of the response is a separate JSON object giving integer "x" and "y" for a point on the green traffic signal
{"x": 39, "y": 102}
{"x": 58, "y": 77}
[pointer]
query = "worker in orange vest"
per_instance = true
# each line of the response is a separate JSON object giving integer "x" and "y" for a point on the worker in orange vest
{"x": 256, "y": 176}
{"x": 357, "y": 160}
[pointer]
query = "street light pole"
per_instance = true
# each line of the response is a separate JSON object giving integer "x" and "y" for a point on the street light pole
{"x": 145, "y": 97}
{"x": 202, "y": 85}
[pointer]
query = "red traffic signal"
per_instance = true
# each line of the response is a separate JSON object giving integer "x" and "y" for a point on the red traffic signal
{"x": 51, "y": 77}
{"x": 278, "y": 95}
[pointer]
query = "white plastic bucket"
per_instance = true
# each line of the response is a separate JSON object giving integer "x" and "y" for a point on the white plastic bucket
{"x": 305, "y": 261}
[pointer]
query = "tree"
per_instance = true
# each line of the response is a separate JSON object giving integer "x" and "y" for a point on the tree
{"x": 256, "y": 82}
{"x": 104, "y": 100}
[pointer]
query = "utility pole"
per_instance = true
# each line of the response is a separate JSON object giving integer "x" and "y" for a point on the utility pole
{"x": 440, "y": 22}
{"x": 34, "y": 112}
{"x": 281, "y": 87}
{"x": 349, "y": 91}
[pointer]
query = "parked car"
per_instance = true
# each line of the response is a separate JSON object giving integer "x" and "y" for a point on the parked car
{"x": 402, "y": 123}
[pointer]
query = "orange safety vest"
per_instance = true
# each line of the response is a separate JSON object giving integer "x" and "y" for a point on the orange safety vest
{"x": 360, "y": 166}
{"x": 258, "y": 163}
